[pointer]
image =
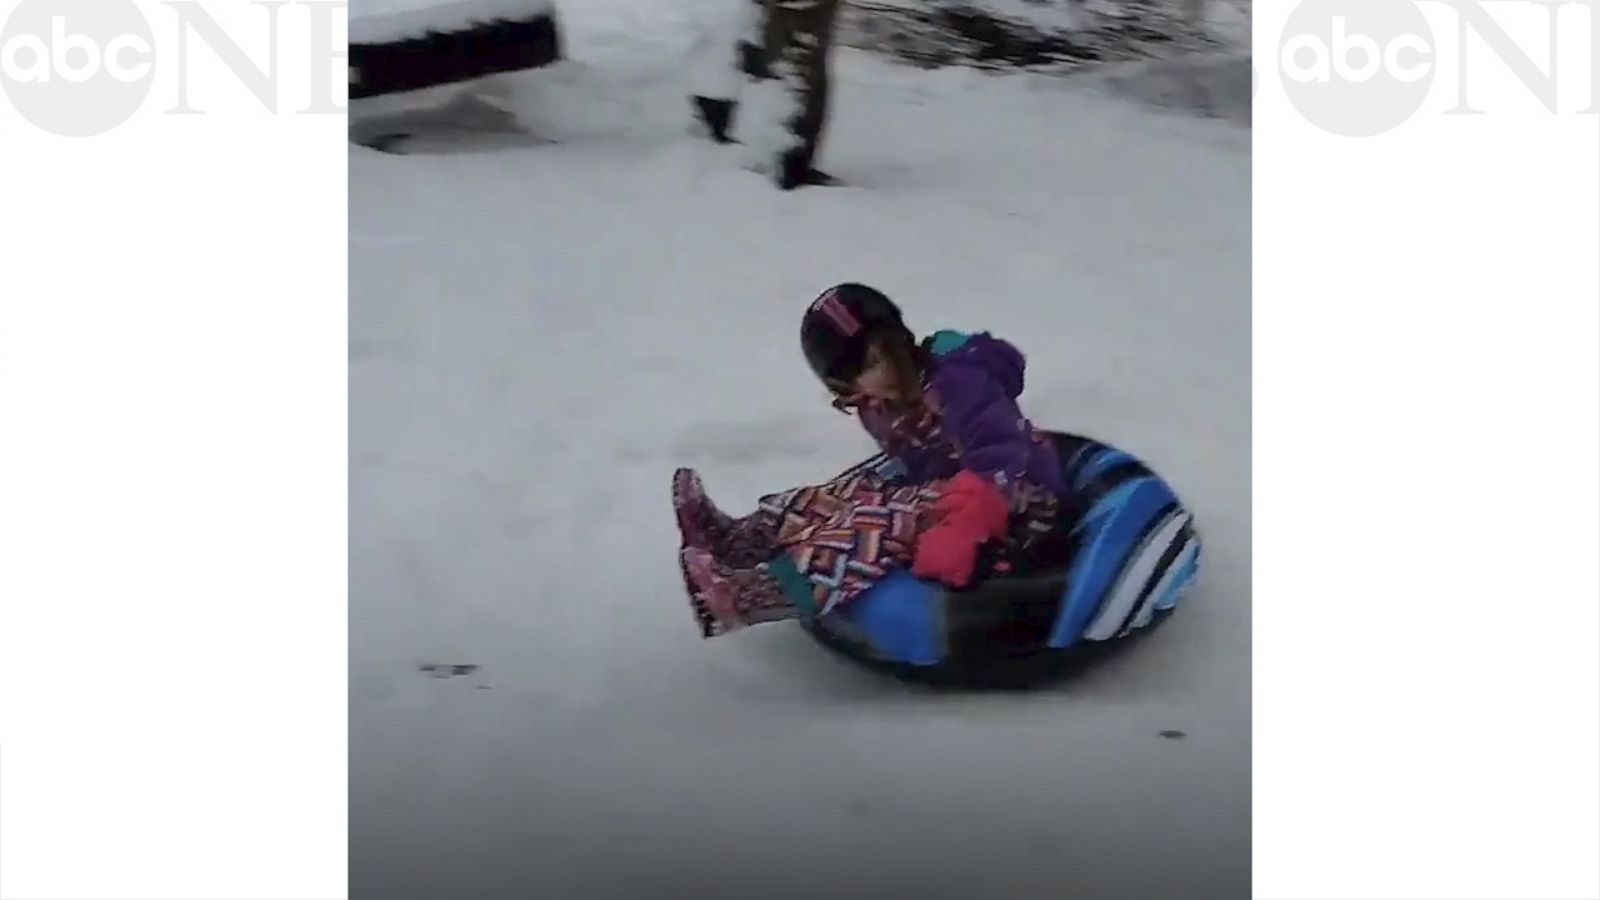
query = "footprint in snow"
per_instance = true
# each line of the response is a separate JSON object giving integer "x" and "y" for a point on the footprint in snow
{"x": 437, "y": 670}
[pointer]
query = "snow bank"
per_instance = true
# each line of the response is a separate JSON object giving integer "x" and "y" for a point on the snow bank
{"x": 1047, "y": 34}
{"x": 1185, "y": 55}
{"x": 1220, "y": 86}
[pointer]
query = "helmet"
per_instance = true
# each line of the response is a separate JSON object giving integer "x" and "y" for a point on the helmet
{"x": 840, "y": 325}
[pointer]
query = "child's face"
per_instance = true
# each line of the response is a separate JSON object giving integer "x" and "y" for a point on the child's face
{"x": 877, "y": 380}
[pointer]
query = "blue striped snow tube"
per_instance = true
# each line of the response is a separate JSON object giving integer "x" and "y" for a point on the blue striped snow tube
{"x": 1117, "y": 565}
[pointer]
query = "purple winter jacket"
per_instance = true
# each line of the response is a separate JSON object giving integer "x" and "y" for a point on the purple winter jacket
{"x": 971, "y": 420}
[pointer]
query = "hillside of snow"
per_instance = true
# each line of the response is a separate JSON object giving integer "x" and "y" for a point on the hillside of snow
{"x": 539, "y": 334}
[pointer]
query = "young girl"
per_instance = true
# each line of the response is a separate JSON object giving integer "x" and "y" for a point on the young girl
{"x": 964, "y": 467}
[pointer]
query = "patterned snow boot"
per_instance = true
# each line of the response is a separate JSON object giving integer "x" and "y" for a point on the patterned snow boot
{"x": 699, "y": 520}
{"x": 726, "y": 599}
{"x": 741, "y": 543}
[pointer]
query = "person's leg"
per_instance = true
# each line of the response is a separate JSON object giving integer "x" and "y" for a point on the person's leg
{"x": 824, "y": 545}
{"x": 780, "y": 519}
{"x": 799, "y": 40}
{"x": 757, "y": 575}
{"x": 873, "y": 532}
{"x": 740, "y": 542}
{"x": 699, "y": 521}
{"x": 726, "y": 599}
{"x": 732, "y": 56}
{"x": 814, "y": 40}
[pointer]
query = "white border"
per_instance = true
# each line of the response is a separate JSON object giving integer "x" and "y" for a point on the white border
{"x": 172, "y": 491}
{"x": 172, "y": 502}
{"x": 1426, "y": 481}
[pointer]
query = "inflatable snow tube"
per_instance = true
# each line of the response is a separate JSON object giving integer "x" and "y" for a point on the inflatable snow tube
{"x": 1123, "y": 554}
{"x": 408, "y": 46}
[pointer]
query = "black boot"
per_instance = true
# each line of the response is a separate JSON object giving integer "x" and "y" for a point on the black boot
{"x": 753, "y": 61}
{"x": 717, "y": 115}
{"x": 795, "y": 171}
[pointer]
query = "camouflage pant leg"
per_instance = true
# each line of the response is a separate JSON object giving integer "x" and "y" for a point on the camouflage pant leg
{"x": 798, "y": 35}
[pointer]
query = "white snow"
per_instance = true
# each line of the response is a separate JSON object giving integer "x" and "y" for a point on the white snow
{"x": 539, "y": 335}
{"x": 1226, "y": 20}
{"x": 1044, "y": 14}
{"x": 379, "y": 21}
{"x": 1213, "y": 84}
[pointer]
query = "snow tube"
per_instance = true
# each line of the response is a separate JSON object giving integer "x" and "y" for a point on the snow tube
{"x": 410, "y": 49}
{"x": 1118, "y": 563}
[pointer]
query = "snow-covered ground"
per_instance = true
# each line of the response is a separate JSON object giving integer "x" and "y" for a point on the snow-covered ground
{"x": 540, "y": 334}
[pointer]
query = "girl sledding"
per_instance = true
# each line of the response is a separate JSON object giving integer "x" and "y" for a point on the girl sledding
{"x": 975, "y": 549}
{"x": 962, "y": 468}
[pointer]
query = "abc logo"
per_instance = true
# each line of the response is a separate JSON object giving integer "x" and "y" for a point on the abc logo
{"x": 76, "y": 67}
{"x": 73, "y": 57}
{"x": 1357, "y": 68}
{"x": 1307, "y": 57}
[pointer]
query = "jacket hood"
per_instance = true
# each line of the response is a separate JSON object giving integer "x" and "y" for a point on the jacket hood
{"x": 1002, "y": 361}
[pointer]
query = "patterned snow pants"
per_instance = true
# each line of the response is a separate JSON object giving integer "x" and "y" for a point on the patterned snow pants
{"x": 846, "y": 534}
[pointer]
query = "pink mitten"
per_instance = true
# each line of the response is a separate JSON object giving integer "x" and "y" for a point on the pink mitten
{"x": 971, "y": 511}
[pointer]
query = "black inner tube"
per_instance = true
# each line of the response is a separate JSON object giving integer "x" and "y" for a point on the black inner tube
{"x": 997, "y": 632}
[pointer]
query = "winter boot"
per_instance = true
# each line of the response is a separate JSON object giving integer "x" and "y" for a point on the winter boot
{"x": 717, "y": 116}
{"x": 701, "y": 523}
{"x": 741, "y": 543}
{"x": 753, "y": 61}
{"x": 795, "y": 171}
{"x": 725, "y": 599}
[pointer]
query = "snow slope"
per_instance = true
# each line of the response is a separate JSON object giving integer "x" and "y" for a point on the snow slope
{"x": 538, "y": 335}
{"x": 1219, "y": 16}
